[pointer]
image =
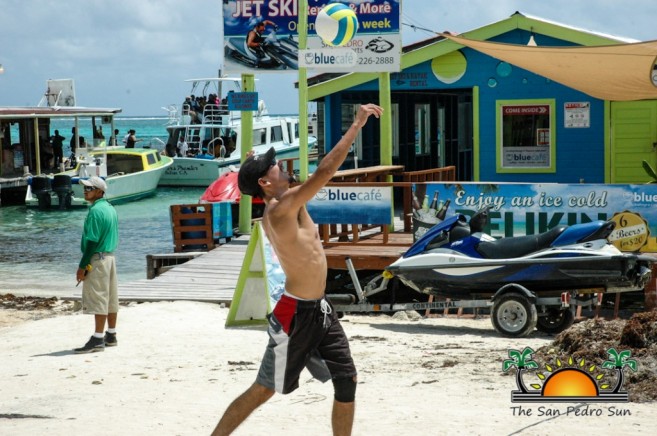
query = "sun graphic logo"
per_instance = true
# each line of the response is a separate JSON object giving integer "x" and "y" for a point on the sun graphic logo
{"x": 571, "y": 381}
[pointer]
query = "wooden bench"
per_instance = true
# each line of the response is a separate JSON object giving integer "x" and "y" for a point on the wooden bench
{"x": 365, "y": 256}
{"x": 330, "y": 234}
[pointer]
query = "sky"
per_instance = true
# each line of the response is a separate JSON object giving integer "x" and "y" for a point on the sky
{"x": 136, "y": 54}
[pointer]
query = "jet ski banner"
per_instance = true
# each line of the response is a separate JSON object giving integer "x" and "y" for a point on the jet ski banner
{"x": 262, "y": 36}
{"x": 518, "y": 209}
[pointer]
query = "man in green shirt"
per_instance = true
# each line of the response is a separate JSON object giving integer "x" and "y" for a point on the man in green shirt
{"x": 97, "y": 268}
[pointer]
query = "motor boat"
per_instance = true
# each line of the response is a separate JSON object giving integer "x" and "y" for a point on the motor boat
{"x": 213, "y": 139}
{"x": 457, "y": 259}
{"x": 130, "y": 174}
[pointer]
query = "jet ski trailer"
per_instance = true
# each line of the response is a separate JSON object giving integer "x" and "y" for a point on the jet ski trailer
{"x": 515, "y": 310}
{"x": 526, "y": 281}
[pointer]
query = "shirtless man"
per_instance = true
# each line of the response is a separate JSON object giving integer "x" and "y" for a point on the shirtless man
{"x": 304, "y": 330}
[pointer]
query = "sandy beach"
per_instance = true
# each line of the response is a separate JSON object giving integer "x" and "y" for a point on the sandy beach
{"x": 177, "y": 367}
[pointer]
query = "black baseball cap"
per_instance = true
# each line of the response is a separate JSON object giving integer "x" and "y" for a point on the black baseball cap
{"x": 252, "y": 170}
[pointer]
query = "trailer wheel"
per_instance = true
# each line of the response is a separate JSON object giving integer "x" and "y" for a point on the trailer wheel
{"x": 514, "y": 315}
{"x": 555, "y": 321}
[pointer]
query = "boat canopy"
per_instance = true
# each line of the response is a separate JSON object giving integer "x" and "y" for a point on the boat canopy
{"x": 25, "y": 132}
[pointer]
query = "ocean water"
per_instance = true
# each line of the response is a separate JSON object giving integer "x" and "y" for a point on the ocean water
{"x": 151, "y": 130}
{"x": 40, "y": 250}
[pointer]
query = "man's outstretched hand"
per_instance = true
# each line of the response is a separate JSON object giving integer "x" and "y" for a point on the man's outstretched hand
{"x": 364, "y": 112}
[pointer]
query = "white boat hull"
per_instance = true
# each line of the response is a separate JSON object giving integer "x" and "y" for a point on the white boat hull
{"x": 121, "y": 188}
{"x": 191, "y": 171}
{"x": 131, "y": 187}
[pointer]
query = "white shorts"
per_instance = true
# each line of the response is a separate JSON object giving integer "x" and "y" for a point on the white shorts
{"x": 100, "y": 294}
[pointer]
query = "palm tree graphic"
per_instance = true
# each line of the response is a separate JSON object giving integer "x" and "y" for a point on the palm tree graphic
{"x": 619, "y": 361}
{"x": 522, "y": 361}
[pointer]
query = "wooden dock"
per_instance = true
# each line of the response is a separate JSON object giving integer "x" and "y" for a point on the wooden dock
{"x": 212, "y": 276}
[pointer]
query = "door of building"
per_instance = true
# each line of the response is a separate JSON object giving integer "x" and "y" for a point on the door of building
{"x": 633, "y": 140}
{"x": 440, "y": 132}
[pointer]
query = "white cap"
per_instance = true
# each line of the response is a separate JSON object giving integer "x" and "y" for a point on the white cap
{"x": 95, "y": 182}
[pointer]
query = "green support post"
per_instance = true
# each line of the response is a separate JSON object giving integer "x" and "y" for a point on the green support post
{"x": 246, "y": 144}
{"x": 385, "y": 102}
{"x": 303, "y": 94}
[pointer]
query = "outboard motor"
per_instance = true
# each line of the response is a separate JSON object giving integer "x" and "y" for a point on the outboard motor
{"x": 41, "y": 188}
{"x": 62, "y": 186}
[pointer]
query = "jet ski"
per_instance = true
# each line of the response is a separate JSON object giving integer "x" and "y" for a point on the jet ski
{"x": 284, "y": 50}
{"x": 237, "y": 49}
{"x": 289, "y": 43}
{"x": 456, "y": 259}
{"x": 275, "y": 53}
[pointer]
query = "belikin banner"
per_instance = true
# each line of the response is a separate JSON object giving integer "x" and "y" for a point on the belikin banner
{"x": 518, "y": 209}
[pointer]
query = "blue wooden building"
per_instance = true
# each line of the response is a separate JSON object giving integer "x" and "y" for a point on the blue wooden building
{"x": 495, "y": 121}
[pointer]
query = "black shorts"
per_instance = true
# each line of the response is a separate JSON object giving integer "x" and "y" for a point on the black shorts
{"x": 304, "y": 334}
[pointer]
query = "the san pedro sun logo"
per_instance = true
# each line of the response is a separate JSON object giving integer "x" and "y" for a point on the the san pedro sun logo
{"x": 570, "y": 381}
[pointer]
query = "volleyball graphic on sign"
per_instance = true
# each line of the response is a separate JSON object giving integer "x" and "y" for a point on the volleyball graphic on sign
{"x": 336, "y": 24}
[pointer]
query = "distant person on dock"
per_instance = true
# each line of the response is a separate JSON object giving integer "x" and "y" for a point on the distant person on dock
{"x": 182, "y": 147}
{"x": 98, "y": 135}
{"x": 132, "y": 139}
{"x": 46, "y": 153}
{"x": 114, "y": 141}
{"x": 57, "y": 142}
{"x": 304, "y": 329}
{"x": 97, "y": 268}
{"x": 72, "y": 160}
{"x": 73, "y": 144}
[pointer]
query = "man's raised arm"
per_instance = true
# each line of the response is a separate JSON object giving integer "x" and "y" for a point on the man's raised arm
{"x": 332, "y": 161}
